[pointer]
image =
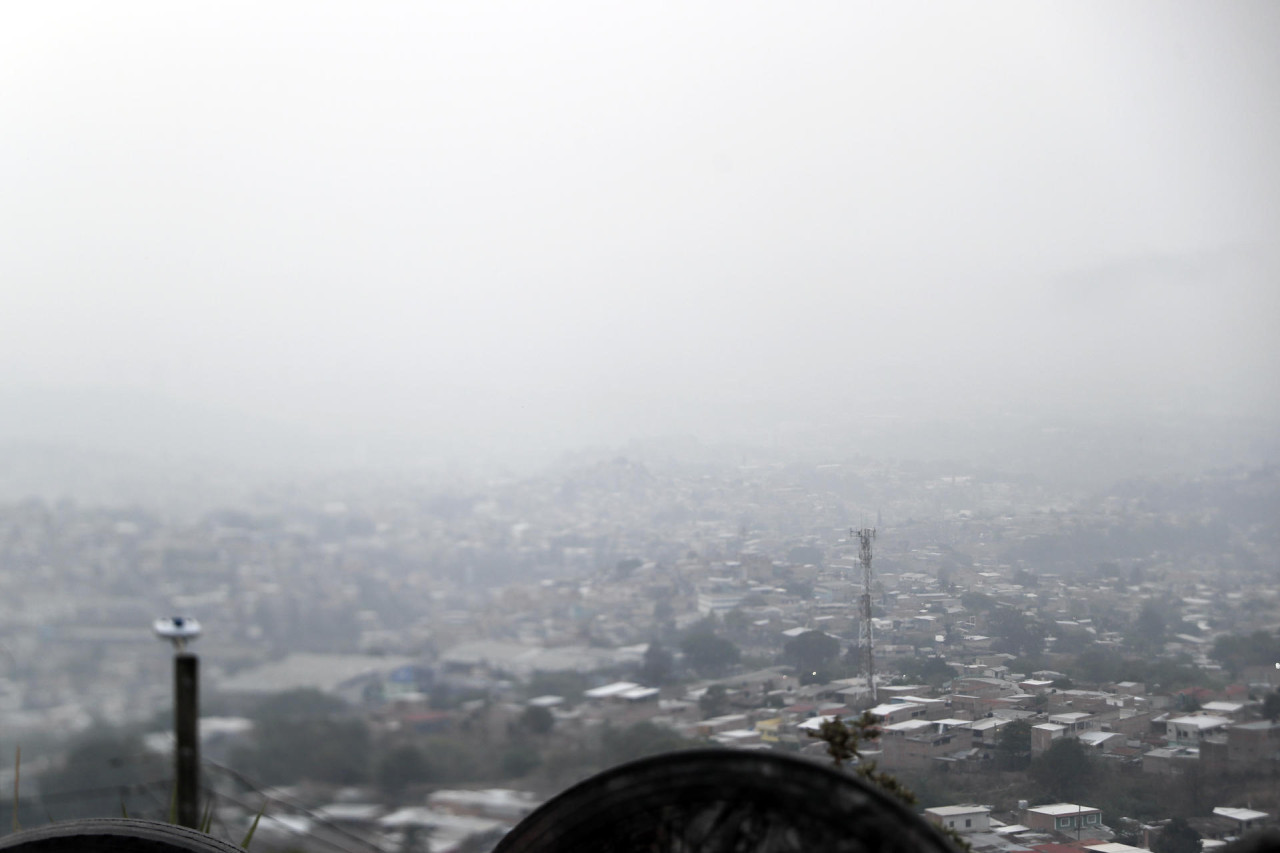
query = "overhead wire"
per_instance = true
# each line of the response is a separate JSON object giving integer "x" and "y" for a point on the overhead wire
{"x": 150, "y": 787}
{"x": 83, "y": 793}
{"x": 300, "y": 833}
{"x": 294, "y": 805}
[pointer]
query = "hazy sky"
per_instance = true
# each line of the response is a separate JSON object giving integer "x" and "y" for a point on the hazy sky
{"x": 571, "y": 221}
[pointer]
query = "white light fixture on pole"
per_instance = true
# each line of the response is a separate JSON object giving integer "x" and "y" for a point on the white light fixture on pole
{"x": 181, "y": 630}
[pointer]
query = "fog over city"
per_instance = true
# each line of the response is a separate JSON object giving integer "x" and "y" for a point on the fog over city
{"x": 488, "y": 233}
{"x": 859, "y": 398}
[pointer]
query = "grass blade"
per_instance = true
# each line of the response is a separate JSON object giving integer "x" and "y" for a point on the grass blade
{"x": 206, "y": 819}
{"x": 249, "y": 835}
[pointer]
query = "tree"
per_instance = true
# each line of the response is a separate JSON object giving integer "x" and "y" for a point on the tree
{"x": 304, "y": 703}
{"x": 1013, "y": 745}
{"x": 714, "y": 702}
{"x": 737, "y": 622}
{"x": 1169, "y": 673}
{"x": 708, "y": 654}
{"x": 335, "y": 751}
{"x": 799, "y": 588}
{"x": 1097, "y": 664}
{"x": 453, "y": 759}
{"x": 302, "y": 734}
{"x": 811, "y": 651}
{"x": 1064, "y": 770}
{"x": 1017, "y": 633}
{"x": 1236, "y": 652}
{"x": 1072, "y": 642}
{"x": 1178, "y": 836}
{"x": 945, "y": 575}
{"x": 1271, "y": 706}
{"x": 401, "y": 767}
{"x": 1150, "y": 627}
{"x": 537, "y": 720}
{"x": 658, "y": 667}
{"x": 977, "y": 601}
{"x": 101, "y": 765}
{"x": 1186, "y": 702}
{"x": 842, "y": 740}
{"x": 568, "y": 685}
{"x": 931, "y": 670}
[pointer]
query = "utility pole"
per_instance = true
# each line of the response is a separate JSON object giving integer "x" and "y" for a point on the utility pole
{"x": 866, "y": 636}
{"x": 186, "y": 717}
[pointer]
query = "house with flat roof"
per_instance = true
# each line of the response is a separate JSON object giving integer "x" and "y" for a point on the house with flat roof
{"x": 963, "y": 818}
{"x": 1167, "y": 761}
{"x": 1243, "y": 820}
{"x": 1191, "y": 729}
{"x": 1062, "y": 817}
{"x": 1043, "y": 735}
{"x": 913, "y": 744}
{"x": 1255, "y": 744}
{"x": 897, "y": 712}
{"x": 1074, "y": 721}
{"x": 1104, "y": 742}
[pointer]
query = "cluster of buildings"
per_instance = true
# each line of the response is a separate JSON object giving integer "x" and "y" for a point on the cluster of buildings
{"x": 390, "y": 599}
{"x": 449, "y": 819}
{"x": 1072, "y": 828}
{"x": 960, "y": 727}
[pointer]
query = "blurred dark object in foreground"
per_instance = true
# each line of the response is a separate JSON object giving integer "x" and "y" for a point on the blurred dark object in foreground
{"x": 723, "y": 800}
{"x": 1262, "y": 841}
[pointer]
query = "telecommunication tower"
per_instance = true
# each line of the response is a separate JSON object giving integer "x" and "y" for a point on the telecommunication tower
{"x": 866, "y": 641}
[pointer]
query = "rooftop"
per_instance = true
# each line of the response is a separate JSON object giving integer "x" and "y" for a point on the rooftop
{"x": 1201, "y": 721}
{"x": 954, "y": 811}
{"x": 1240, "y": 814}
{"x": 1057, "y": 809}
{"x": 909, "y": 726}
{"x": 617, "y": 688}
{"x": 318, "y": 671}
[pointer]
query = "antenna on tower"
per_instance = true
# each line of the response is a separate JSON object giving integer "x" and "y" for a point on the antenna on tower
{"x": 866, "y": 637}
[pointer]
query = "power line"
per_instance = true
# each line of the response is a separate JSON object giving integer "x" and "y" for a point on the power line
{"x": 85, "y": 793}
{"x": 298, "y": 807}
{"x": 320, "y": 838}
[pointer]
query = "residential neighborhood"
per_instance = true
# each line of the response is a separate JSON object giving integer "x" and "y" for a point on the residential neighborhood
{"x": 541, "y": 630}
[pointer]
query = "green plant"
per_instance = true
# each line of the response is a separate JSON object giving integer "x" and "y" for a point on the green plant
{"x": 248, "y": 836}
{"x": 842, "y": 745}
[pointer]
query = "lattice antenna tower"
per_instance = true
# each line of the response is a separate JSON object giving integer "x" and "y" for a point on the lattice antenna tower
{"x": 866, "y": 636}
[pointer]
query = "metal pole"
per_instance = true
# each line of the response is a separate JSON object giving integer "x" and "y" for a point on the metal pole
{"x": 186, "y": 718}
